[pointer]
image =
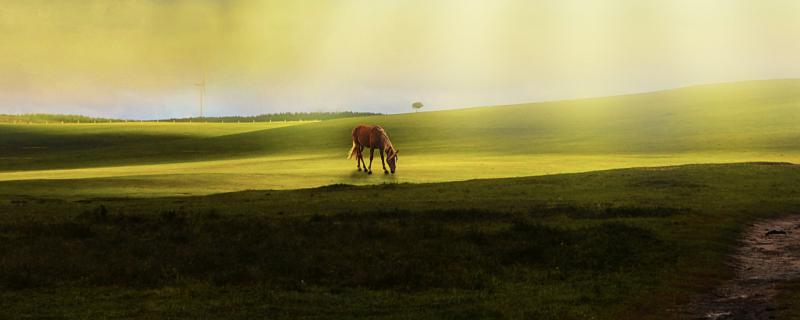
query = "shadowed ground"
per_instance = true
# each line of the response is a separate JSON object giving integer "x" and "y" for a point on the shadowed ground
{"x": 620, "y": 244}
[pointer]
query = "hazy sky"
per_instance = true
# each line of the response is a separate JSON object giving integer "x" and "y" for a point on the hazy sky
{"x": 141, "y": 58}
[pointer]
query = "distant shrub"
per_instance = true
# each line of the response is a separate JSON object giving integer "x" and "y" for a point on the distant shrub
{"x": 276, "y": 117}
{"x": 53, "y": 118}
{"x": 284, "y": 116}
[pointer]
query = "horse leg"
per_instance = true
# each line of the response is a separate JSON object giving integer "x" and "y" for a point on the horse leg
{"x": 383, "y": 163}
{"x": 371, "y": 155}
{"x": 361, "y": 157}
{"x": 358, "y": 159}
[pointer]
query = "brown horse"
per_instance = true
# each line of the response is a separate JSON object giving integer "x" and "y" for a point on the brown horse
{"x": 372, "y": 137}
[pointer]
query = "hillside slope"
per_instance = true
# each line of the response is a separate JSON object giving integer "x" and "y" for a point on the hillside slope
{"x": 732, "y": 122}
{"x": 746, "y": 116}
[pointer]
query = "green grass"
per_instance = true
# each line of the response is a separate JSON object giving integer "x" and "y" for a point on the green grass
{"x": 736, "y": 122}
{"x": 628, "y": 243}
{"x": 147, "y": 221}
{"x": 56, "y": 138}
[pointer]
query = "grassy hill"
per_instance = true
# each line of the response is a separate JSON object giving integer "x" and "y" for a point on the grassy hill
{"x": 91, "y": 226}
{"x": 619, "y": 244}
{"x": 733, "y": 122}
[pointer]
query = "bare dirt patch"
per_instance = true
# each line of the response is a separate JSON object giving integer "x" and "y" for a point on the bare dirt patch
{"x": 769, "y": 256}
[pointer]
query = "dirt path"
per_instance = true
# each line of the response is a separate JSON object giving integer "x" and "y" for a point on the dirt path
{"x": 770, "y": 255}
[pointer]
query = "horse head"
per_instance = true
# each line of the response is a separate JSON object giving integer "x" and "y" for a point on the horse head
{"x": 392, "y": 160}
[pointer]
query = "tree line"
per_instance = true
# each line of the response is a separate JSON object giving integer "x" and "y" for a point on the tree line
{"x": 276, "y": 117}
{"x": 284, "y": 116}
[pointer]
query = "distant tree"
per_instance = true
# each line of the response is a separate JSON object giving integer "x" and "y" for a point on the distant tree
{"x": 416, "y": 106}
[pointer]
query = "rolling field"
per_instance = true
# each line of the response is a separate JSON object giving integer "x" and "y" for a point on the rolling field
{"x": 620, "y": 244}
{"x": 736, "y": 122}
{"x": 610, "y": 208}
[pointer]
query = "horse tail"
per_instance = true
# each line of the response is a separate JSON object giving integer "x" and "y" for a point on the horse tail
{"x": 352, "y": 151}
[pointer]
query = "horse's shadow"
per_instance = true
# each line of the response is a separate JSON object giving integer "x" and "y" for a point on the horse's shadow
{"x": 376, "y": 175}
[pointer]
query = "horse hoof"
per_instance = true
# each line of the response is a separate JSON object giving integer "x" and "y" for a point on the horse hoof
{"x": 359, "y": 169}
{"x": 385, "y": 172}
{"x": 370, "y": 172}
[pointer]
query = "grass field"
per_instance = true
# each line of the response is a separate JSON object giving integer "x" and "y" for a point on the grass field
{"x": 150, "y": 221}
{"x": 621, "y": 244}
{"x": 749, "y": 121}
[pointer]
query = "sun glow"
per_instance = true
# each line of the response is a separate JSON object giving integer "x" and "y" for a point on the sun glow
{"x": 139, "y": 58}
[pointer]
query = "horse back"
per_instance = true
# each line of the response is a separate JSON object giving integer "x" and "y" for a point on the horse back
{"x": 367, "y": 135}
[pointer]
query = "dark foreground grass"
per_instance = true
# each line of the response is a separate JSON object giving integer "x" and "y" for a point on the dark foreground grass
{"x": 397, "y": 251}
{"x": 616, "y": 244}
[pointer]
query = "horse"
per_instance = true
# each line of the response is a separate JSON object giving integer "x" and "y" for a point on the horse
{"x": 372, "y": 137}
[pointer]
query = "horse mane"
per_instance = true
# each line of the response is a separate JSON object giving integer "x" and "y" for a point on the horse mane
{"x": 387, "y": 144}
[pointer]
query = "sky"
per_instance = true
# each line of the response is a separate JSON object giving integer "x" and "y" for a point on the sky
{"x": 142, "y": 58}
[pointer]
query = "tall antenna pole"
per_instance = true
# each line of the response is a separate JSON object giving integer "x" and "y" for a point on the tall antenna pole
{"x": 202, "y": 86}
